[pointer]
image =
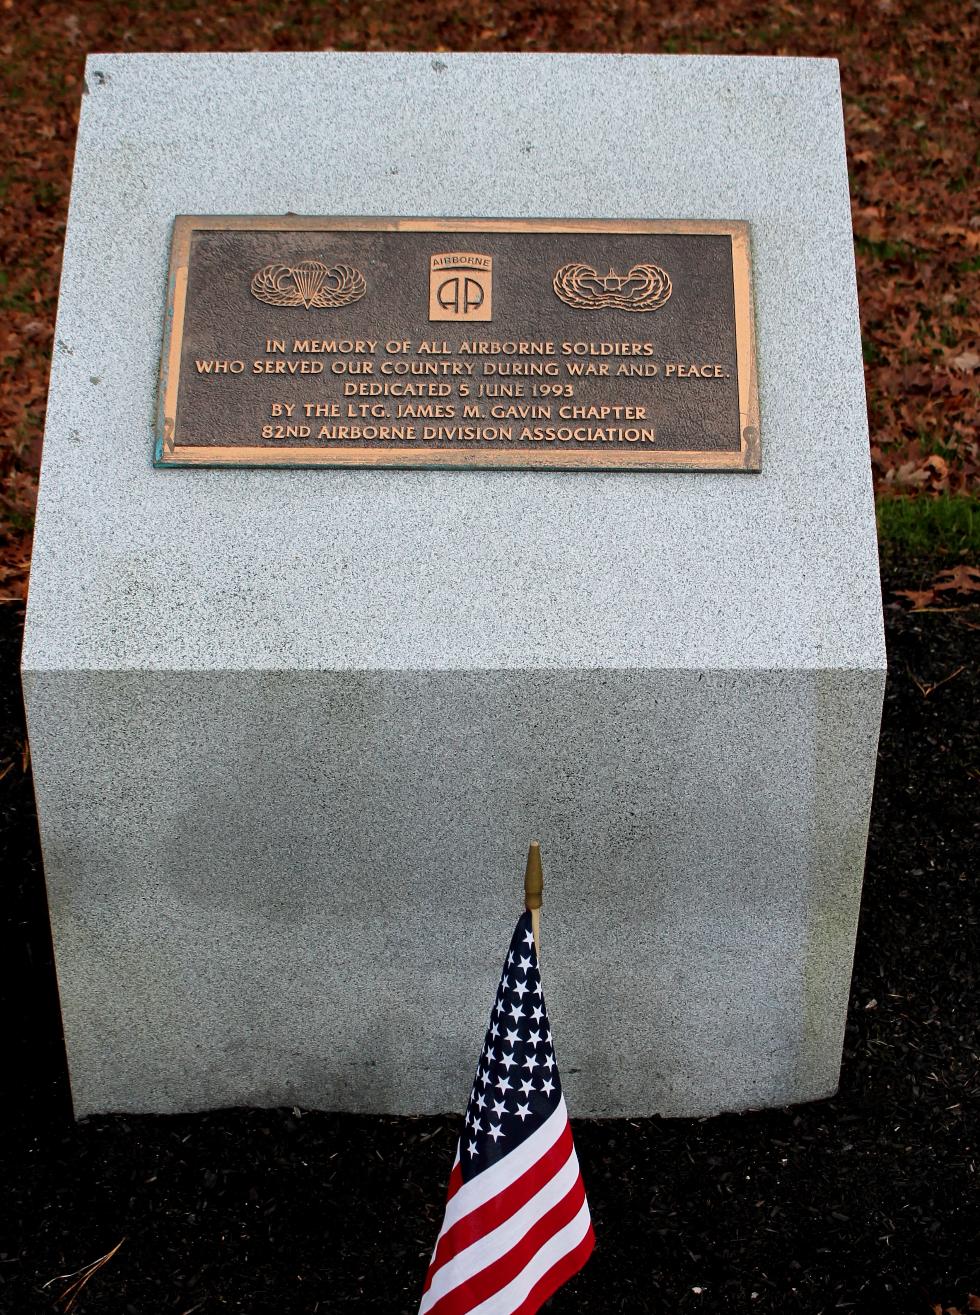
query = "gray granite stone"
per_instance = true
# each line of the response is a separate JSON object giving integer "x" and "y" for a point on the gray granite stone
{"x": 293, "y": 729}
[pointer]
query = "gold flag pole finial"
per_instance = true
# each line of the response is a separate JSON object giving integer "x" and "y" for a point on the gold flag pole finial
{"x": 533, "y": 886}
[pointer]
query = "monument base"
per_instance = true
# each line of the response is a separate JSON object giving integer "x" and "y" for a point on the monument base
{"x": 293, "y": 888}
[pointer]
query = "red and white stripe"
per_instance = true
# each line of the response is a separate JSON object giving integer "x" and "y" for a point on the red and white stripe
{"x": 515, "y": 1233}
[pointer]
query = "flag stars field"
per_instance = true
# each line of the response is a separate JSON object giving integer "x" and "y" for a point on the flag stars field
{"x": 519, "y": 1047}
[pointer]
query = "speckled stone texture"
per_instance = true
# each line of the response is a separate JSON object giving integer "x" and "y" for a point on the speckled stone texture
{"x": 292, "y": 730}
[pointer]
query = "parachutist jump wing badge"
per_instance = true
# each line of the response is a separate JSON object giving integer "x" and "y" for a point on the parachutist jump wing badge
{"x": 310, "y": 283}
{"x": 645, "y": 287}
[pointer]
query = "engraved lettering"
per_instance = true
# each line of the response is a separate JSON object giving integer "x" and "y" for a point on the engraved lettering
{"x": 220, "y": 367}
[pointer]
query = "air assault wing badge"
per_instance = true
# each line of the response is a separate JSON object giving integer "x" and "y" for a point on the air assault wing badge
{"x": 645, "y": 287}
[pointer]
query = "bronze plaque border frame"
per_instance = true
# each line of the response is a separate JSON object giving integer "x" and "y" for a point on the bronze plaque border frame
{"x": 168, "y": 454}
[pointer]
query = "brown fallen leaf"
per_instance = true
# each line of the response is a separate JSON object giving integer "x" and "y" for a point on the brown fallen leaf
{"x": 962, "y": 579}
{"x": 917, "y": 597}
{"x": 938, "y": 471}
{"x": 966, "y": 361}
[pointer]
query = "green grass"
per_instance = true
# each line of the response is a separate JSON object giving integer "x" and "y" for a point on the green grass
{"x": 889, "y": 252}
{"x": 947, "y": 527}
{"x": 14, "y": 299}
{"x": 872, "y": 354}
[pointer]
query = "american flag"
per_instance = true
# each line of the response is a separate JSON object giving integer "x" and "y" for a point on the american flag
{"x": 517, "y": 1223}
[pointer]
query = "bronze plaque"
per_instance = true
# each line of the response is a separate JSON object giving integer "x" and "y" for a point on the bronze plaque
{"x": 578, "y": 344}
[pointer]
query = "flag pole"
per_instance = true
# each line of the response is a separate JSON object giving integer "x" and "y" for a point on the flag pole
{"x": 533, "y": 885}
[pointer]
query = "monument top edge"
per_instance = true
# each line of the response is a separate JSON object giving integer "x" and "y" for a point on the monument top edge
{"x": 815, "y": 65}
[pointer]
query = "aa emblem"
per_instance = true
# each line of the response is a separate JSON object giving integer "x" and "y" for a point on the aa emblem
{"x": 461, "y": 286}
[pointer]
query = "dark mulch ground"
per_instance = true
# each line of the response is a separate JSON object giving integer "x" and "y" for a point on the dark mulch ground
{"x": 865, "y": 1203}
